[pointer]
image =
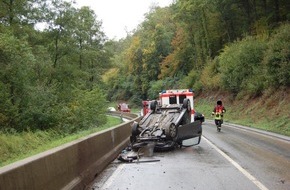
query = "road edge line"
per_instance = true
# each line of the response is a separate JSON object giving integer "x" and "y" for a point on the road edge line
{"x": 255, "y": 130}
{"x": 109, "y": 181}
{"x": 242, "y": 170}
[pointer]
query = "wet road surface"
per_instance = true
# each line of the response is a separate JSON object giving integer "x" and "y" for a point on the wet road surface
{"x": 234, "y": 158}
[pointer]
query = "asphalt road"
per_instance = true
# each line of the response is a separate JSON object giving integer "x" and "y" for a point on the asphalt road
{"x": 234, "y": 159}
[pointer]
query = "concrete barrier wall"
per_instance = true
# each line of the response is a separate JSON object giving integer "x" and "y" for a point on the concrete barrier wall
{"x": 71, "y": 166}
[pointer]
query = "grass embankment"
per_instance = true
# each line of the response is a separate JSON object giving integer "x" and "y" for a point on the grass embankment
{"x": 17, "y": 146}
{"x": 269, "y": 112}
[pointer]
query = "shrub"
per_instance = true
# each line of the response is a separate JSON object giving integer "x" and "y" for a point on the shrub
{"x": 277, "y": 58}
{"x": 87, "y": 110}
{"x": 241, "y": 66}
{"x": 191, "y": 80}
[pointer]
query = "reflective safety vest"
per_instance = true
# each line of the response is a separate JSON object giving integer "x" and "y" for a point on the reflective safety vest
{"x": 219, "y": 108}
{"x": 219, "y": 112}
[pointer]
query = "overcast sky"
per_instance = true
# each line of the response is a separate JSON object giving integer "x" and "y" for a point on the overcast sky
{"x": 119, "y": 16}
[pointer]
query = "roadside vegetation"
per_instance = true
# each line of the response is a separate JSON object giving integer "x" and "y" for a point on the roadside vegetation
{"x": 57, "y": 82}
{"x": 15, "y": 146}
{"x": 269, "y": 112}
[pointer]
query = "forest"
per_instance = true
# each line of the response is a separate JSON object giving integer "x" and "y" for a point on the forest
{"x": 59, "y": 70}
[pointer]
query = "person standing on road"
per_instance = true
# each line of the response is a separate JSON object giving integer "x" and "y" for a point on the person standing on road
{"x": 219, "y": 109}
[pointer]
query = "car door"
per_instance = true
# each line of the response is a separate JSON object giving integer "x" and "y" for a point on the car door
{"x": 190, "y": 130}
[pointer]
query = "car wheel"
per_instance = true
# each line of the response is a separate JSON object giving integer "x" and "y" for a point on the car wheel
{"x": 135, "y": 130}
{"x": 186, "y": 104}
{"x": 172, "y": 132}
{"x": 153, "y": 105}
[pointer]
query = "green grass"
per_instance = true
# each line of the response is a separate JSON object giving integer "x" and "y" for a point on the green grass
{"x": 17, "y": 146}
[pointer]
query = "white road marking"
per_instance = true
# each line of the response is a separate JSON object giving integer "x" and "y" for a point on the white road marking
{"x": 242, "y": 170}
{"x": 109, "y": 182}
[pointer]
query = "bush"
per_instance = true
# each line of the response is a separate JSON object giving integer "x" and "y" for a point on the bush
{"x": 191, "y": 80}
{"x": 155, "y": 88}
{"x": 277, "y": 58}
{"x": 87, "y": 110}
{"x": 241, "y": 66}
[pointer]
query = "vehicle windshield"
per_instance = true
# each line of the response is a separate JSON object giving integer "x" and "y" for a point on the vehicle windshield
{"x": 172, "y": 99}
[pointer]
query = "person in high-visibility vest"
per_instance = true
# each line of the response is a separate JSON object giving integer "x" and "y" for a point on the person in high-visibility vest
{"x": 219, "y": 111}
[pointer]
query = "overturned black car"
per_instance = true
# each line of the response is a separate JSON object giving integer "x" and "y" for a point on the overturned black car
{"x": 170, "y": 122}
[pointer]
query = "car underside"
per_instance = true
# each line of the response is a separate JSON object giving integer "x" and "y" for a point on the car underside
{"x": 165, "y": 127}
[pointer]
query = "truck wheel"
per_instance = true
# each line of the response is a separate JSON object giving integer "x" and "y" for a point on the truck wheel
{"x": 186, "y": 104}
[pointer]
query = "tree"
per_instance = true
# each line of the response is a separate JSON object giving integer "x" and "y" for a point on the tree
{"x": 277, "y": 58}
{"x": 16, "y": 61}
{"x": 44, "y": 73}
{"x": 59, "y": 21}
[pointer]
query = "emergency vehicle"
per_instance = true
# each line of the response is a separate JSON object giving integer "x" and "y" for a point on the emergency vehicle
{"x": 171, "y": 97}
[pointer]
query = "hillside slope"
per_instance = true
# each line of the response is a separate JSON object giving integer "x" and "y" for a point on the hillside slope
{"x": 269, "y": 112}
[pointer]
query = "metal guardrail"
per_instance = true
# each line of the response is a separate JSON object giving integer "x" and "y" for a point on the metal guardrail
{"x": 70, "y": 166}
{"x": 129, "y": 116}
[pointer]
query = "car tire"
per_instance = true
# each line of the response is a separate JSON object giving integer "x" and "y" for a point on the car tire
{"x": 153, "y": 105}
{"x": 172, "y": 132}
{"x": 186, "y": 105}
{"x": 135, "y": 130}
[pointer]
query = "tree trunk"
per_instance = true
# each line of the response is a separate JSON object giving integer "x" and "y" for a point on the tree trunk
{"x": 56, "y": 51}
{"x": 277, "y": 10}
{"x": 80, "y": 56}
{"x": 204, "y": 24}
{"x": 11, "y": 14}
